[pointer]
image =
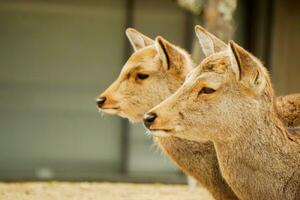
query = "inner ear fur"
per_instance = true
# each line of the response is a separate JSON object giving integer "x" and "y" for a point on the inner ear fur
{"x": 172, "y": 57}
{"x": 247, "y": 68}
{"x": 137, "y": 39}
{"x": 210, "y": 44}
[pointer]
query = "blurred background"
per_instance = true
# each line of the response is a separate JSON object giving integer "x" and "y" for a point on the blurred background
{"x": 56, "y": 56}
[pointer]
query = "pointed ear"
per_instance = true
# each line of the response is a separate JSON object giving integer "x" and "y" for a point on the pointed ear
{"x": 171, "y": 56}
{"x": 137, "y": 39}
{"x": 210, "y": 44}
{"x": 249, "y": 71}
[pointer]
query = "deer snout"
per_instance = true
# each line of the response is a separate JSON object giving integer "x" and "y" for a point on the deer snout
{"x": 101, "y": 101}
{"x": 149, "y": 118}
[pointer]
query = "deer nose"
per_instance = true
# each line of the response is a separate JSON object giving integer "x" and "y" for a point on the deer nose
{"x": 100, "y": 101}
{"x": 149, "y": 118}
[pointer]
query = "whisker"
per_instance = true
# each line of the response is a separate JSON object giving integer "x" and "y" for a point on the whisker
{"x": 148, "y": 133}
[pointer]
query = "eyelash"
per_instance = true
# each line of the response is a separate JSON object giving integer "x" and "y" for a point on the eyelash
{"x": 206, "y": 90}
{"x": 142, "y": 76}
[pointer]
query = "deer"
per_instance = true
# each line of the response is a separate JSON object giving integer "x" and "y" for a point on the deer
{"x": 228, "y": 99}
{"x": 154, "y": 71}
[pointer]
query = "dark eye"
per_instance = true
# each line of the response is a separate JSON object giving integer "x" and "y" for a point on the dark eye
{"x": 142, "y": 76}
{"x": 206, "y": 90}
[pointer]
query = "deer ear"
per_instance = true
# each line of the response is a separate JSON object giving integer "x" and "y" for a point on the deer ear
{"x": 210, "y": 44}
{"x": 171, "y": 56}
{"x": 137, "y": 39}
{"x": 248, "y": 70}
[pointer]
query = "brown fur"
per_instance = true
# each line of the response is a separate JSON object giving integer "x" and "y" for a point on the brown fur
{"x": 257, "y": 155}
{"x": 289, "y": 109}
{"x": 133, "y": 98}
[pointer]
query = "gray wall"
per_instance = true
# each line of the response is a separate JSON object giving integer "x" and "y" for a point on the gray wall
{"x": 55, "y": 58}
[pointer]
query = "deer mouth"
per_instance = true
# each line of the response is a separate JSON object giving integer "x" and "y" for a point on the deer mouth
{"x": 110, "y": 110}
{"x": 161, "y": 132}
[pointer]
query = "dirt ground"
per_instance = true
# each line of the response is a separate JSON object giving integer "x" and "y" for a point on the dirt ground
{"x": 99, "y": 191}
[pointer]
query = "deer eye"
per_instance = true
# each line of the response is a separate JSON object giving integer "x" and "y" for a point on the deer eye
{"x": 206, "y": 90}
{"x": 142, "y": 76}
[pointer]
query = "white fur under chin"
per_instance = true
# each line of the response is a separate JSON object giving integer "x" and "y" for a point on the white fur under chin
{"x": 160, "y": 133}
{"x": 109, "y": 111}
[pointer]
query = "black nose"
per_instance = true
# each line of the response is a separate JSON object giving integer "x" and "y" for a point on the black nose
{"x": 149, "y": 119}
{"x": 100, "y": 101}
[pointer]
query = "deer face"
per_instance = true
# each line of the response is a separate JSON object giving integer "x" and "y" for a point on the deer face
{"x": 147, "y": 78}
{"x": 227, "y": 91}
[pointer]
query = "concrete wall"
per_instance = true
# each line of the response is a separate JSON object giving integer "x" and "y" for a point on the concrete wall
{"x": 55, "y": 58}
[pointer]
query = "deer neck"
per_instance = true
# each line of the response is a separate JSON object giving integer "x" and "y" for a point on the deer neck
{"x": 260, "y": 152}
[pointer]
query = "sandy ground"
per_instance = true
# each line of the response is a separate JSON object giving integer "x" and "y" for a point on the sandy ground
{"x": 101, "y": 191}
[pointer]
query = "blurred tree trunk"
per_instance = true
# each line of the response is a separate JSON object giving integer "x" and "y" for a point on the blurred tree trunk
{"x": 217, "y": 17}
